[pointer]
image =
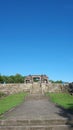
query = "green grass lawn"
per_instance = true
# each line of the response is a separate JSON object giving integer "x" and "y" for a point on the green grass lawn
{"x": 63, "y": 99}
{"x": 11, "y": 101}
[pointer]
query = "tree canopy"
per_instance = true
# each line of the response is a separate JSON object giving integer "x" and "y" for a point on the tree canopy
{"x": 18, "y": 78}
{"x": 58, "y": 81}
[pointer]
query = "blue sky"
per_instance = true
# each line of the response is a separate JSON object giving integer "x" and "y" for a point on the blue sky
{"x": 36, "y": 37}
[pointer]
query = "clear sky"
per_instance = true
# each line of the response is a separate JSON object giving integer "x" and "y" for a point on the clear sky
{"x": 36, "y": 37}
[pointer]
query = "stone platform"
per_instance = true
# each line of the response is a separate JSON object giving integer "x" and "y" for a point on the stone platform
{"x": 37, "y": 112}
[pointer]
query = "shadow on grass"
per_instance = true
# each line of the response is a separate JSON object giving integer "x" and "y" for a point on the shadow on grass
{"x": 70, "y": 107}
{"x": 67, "y": 113}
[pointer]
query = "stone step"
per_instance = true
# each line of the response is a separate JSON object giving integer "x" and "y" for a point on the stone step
{"x": 36, "y": 88}
{"x": 36, "y": 91}
{"x": 31, "y": 122}
{"x": 50, "y": 127}
{"x": 35, "y": 97}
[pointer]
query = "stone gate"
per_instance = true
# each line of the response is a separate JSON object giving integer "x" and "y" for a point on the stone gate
{"x": 36, "y": 78}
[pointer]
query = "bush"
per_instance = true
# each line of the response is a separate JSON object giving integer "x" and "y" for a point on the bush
{"x": 2, "y": 94}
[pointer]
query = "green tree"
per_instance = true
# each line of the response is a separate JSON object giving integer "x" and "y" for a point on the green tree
{"x": 18, "y": 78}
{"x": 5, "y": 79}
{"x": 58, "y": 81}
{"x": 1, "y": 79}
{"x": 11, "y": 79}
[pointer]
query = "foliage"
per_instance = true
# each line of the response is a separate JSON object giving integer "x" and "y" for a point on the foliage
{"x": 35, "y": 79}
{"x": 2, "y": 94}
{"x": 58, "y": 81}
{"x": 1, "y": 79}
{"x": 11, "y": 101}
{"x": 18, "y": 78}
{"x": 70, "y": 88}
{"x": 63, "y": 99}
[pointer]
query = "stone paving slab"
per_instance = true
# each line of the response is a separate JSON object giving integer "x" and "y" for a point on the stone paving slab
{"x": 62, "y": 127}
{"x": 39, "y": 107}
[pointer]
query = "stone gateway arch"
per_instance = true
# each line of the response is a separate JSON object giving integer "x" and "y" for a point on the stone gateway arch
{"x": 36, "y": 78}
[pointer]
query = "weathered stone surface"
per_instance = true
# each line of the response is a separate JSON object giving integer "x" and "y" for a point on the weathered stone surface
{"x": 39, "y": 78}
{"x": 68, "y": 88}
{"x": 31, "y": 88}
{"x": 37, "y": 112}
{"x": 62, "y": 127}
{"x": 14, "y": 88}
{"x": 55, "y": 87}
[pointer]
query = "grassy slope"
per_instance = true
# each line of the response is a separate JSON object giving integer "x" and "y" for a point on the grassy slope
{"x": 11, "y": 101}
{"x": 62, "y": 99}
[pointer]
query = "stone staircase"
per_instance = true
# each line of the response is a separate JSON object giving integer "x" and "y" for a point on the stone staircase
{"x": 41, "y": 123}
{"x": 49, "y": 124}
{"x": 35, "y": 97}
{"x": 36, "y": 88}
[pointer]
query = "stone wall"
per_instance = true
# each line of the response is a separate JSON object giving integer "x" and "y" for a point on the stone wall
{"x": 15, "y": 88}
{"x": 55, "y": 87}
{"x": 68, "y": 88}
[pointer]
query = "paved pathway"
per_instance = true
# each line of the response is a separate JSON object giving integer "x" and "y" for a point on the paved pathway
{"x": 37, "y": 107}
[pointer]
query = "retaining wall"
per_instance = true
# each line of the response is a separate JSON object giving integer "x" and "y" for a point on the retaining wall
{"x": 15, "y": 88}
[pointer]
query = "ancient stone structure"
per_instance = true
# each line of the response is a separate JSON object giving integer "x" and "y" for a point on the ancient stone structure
{"x": 33, "y": 84}
{"x": 31, "y": 88}
{"x": 36, "y": 78}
